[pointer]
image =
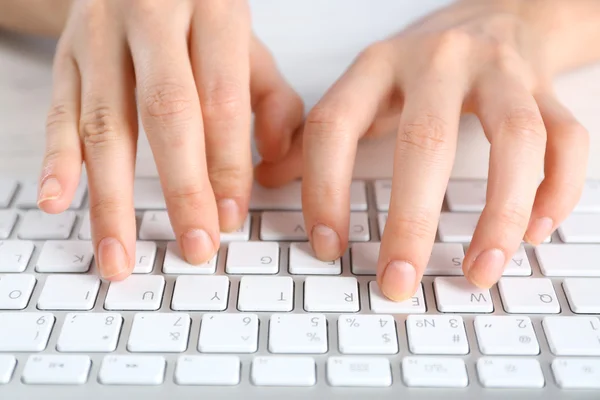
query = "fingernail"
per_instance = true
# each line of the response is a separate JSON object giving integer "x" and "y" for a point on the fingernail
{"x": 50, "y": 190}
{"x": 539, "y": 230}
{"x": 112, "y": 259}
{"x": 398, "y": 281}
{"x": 487, "y": 268}
{"x": 229, "y": 214}
{"x": 326, "y": 242}
{"x": 197, "y": 246}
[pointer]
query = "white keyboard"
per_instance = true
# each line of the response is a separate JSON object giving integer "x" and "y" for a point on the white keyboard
{"x": 265, "y": 319}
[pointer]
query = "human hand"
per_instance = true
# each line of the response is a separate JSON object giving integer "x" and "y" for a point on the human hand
{"x": 196, "y": 72}
{"x": 489, "y": 58}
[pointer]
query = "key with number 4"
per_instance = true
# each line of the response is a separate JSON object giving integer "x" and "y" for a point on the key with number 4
{"x": 367, "y": 334}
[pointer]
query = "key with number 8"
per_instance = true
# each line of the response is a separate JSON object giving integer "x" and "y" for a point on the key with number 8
{"x": 90, "y": 332}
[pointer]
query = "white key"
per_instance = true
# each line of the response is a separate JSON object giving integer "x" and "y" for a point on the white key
{"x": 303, "y": 262}
{"x": 283, "y": 371}
{"x": 383, "y": 193}
{"x": 582, "y": 294}
{"x": 457, "y": 227}
{"x": 456, "y": 294}
{"x": 7, "y": 367}
{"x": 573, "y": 336}
{"x": 138, "y": 292}
{"x": 359, "y": 371}
{"x": 56, "y": 370}
{"x": 7, "y": 191}
{"x": 241, "y": 234}
{"x": 436, "y": 334}
{"x": 156, "y": 225}
{"x": 159, "y": 332}
{"x": 208, "y": 370}
{"x": 148, "y": 195}
{"x": 358, "y": 196}
{"x": 90, "y": 332}
{"x": 25, "y": 331}
{"x": 518, "y": 265}
{"x": 381, "y": 221}
{"x": 79, "y": 195}
{"x": 65, "y": 256}
{"x": 279, "y": 226}
{"x": 364, "y": 258}
{"x": 132, "y": 370}
{"x": 569, "y": 259}
{"x": 381, "y": 304}
{"x": 298, "y": 333}
{"x": 85, "y": 232}
{"x": 175, "y": 264}
{"x": 7, "y": 222}
{"x": 28, "y": 195}
{"x": 228, "y": 333}
{"x": 252, "y": 258}
{"x": 466, "y": 195}
{"x": 577, "y": 373}
{"x": 359, "y": 227}
{"x": 331, "y": 294}
{"x": 589, "y": 201}
{"x": 145, "y": 254}
{"x": 528, "y": 295}
{"x": 506, "y": 335}
{"x": 446, "y": 259}
{"x": 15, "y": 291}
{"x": 37, "y": 225}
{"x": 434, "y": 372}
{"x": 503, "y": 372}
{"x": 367, "y": 334}
{"x": 69, "y": 292}
{"x": 580, "y": 228}
{"x": 15, "y": 255}
{"x": 200, "y": 293}
{"x": 266, "y": 293}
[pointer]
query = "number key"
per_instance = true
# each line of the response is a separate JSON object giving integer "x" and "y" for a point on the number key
{"x": 436, "y": 334}
{"x": 228, "y": 333}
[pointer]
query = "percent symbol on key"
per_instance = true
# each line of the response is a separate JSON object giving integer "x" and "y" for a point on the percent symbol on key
{"x": 352, "y": 322}
{"x": 312, "y": 336}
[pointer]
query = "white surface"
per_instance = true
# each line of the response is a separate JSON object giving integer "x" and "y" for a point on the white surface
{"x": 434, "y": 372}
{"x": 228, "y": 333}
{"x": 25, "y": 331}
{"x": 7, "y": 366}
{"x": 506, "y": 335}
{"x": 69, "y": 292}
{"x": 132, "y": 370}
{"x": 15, "y": 291}
{"x": 304, "y": 262}
{"x": 359, "y": 371}
{"x": 569, "y": 260}
{"x": 200, "y": 293}
{"x": 37, "y": 225}
{"x": 266, "y": 293}
{"x": 500, "y": 372}
{"x": 528, "y": 296}
{"x": 572, "y": 336}
{"x": 139, "y": 292}
{"x": 159, "y": 332}
{"x": 567, "y": 372}
{"x": 298, "y": 333}
{"x": 283, "y": 371}
{"x": 580, "y": 228}
{"x": 15, "y": 255}
{"x": 456, "y": 294}
{"x": 86, "y": 332}
{"x": 436, "y": 334}
{"x": 208, "y": 370}
{"x": 331, "y": 294}
{"x": 65, "y": 256}
{"x": 367, "y": 334}
{"x": 252, "y": 258}
{"x": 582, "y": 294}
{"x": 56, "y": 369}
{"x": 175, "y": 264}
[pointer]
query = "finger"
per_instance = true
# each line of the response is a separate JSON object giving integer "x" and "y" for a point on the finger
{"x": 219, "y": 53}
{"x": 331, "y": 132}
{"x": 289, "y": 168}
{"x": 565, "y": 167}
{"x": 513, "y": 124}
{"x": 423, "y": 160}
{"x": 61, "y": 169}
{"x": 108, "y": 129}
{"x": 278, "y": 109}
{"x": 170, "y": 112}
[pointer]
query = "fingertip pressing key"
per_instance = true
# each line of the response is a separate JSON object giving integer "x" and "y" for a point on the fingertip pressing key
{"x": 113, "y": 261}
{"x": 326, "y": 242}
{"x": 398, "y": 280}
{"x": 197, "y": 246}
{"x": 538, "y": 230}
{"x": 486, "y": 269}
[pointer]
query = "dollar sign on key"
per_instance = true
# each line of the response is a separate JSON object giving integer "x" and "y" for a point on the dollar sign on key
{"x": 386, "y": 338}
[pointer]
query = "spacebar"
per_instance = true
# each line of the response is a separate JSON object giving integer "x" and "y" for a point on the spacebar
{"x": 569, "y": 259}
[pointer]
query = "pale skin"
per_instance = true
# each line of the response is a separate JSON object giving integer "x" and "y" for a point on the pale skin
{"x": 198, "y": 73}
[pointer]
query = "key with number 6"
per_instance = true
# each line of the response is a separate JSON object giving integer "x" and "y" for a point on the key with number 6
{"x": 228, "y": 333}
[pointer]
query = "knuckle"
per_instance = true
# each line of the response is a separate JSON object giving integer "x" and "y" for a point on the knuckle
{"x": 526, "y": 124}
{"x": 417, "y": 224}
{"x": 447, "y": 47}
{"x": 167, "y": 102}
{"x": 98, "y": 126}
{"x": 223, "y": 101}
{"x": 514, "y": 215}
{"x": 376, "y": 52}
{"x": 192, "y": 196}
{"x": 325, "y": 120}
{"x": 108, "y": 205}
{"x": 228, "y": 178}
{"x": 58, "y": 114}
{"x": 426, "y": 133}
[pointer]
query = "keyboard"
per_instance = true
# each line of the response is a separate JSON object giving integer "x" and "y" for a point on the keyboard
{"x": 265, "y": 319}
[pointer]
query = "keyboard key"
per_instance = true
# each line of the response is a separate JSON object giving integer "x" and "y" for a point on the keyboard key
{"x": 331, "y": 294}
{"x": 56, "y": 370}
{"x": 364, "y": 258}
{"x": 359, "y": 227}
{"x": 518, "y": 265}
{"x": 528, "y": 296}
{"x": 434, "y": 372}
{"x": 381, "y": 221}
{"x": 466, "y": 195}
{"x": 359, "y": 371}
{"x": 367, "y": 334}
{"x": 358, "y": 196}
{"x": 25, "y": 331}
{"x": 228, "y": 333}
{"x": 28, "y": 195}
{"x": 69, "y": 292}
{"x": 303, "y": 262}
{"x": 446, "y": 259}
{"x": 138, "y": 292}
{"x": 502, "y": 372}
{"x": 90, "y": 332}
{"x": 580, "y": 228}
{"x": 156, "y": 225}
{"x": 85, "y": 232}
{"x": 573, "y": 336}
{"x": 65, "y": 256}
{"x": 159, "y": 332}
{"x": 569, "y": 259}
{"x": 15, "y": 255}
{"x": 7, "y": 191}
{"x": 582, "y": 294}
{"x": 456, "y": 294}
{"x": 289, "y": 226}
{"x": 589, "y": 202}
{"x": 208, "y": 370}
{"x": 577, "y": 373}
{"x": 506, "y": 335}
{"x": 457, "y": 227}
{"x": 148, "y": 194}
{"x": 37, "y": 225}
{"x": 15, "y": 291}
{"x": 241, "y": 234}
{"x": 175, "y": 264}
{"x": 381, "y": 304}
{"x": 200, "y": 293}
{"x": 383, "y": 193}
{"x": 266, "y": 293}
{"x": 252, "y": 258}
{"x": 298, "y": 333}
{"x": 283, "y": 371}
{"x": 7, "y": 367}
{"x": 436, "y": 334}
{"x": 132, "y": 370}
{"x": 145, "y": 253}
{"x": 7, "y": 222}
